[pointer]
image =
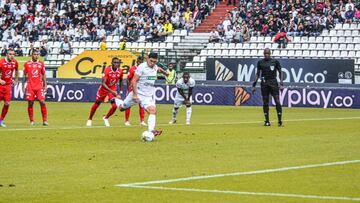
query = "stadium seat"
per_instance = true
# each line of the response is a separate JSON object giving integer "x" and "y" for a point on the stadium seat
{"x": 267, "y": 39}
{"x": 348, "y": 33}
{"x": 253, "y": 46}
{"x": 67, "y": 57}
{"x": 224, "y": 46}
{"x": 183, "y": 32}
{"x": 320, "y": 46}
{"x": 169, "y": 45}
{"x": 261, "y": 46}
{"x": 141, "y": 39}
{"x": 351, "y": 54}
{"x": 328, "y": 53}
{"x": 55, "y": 50}
{"x": 336, "y": 53}
{"x": 75, "y": 44}
{"x": 332, "y": 46}
{"x": 326, "y": 39}
{"x": 239, "y": 53}
{"x": 344, "y": 54}
{"x": 357, "y": 47}
{"x": 217, "y": 52}
{"x": 176, "y": 32}
{"x": 239, "y": 46}
{"x": 60, "y": 57}
{"x": 210, "y": 52}
{"x": 116, "y": 38}
{"x": 350, "y": 46}
{"x": 298, "y": 53}
{"x": 217, "y": 46}
{"x": 276, "y": 53}
{"x": 291, "y": 53}
{"x": 224, "y": 53}
{"x": 231, "y": 46}
{"x": 345, "y": 26}
{"x": 340, "y": 32}
{"x": 306, "y": 53}
{"x": 169, "y": 39}
{"x": 341, "y": 40}
{"x": 332, "y": 32}
{"x": 210, "y": 46}
{"x": 176, "y": 39}
{"x": 321, "y": 53}
{"x": 334, "y": 39}
{"x": 254, "y": 52}
{"x": 342, "y": 46}
{"x": 305, "y": 46}
{"x": 82, "y": 44}
{"x": 338, "y": 26}
{"x": 349, "y": 39}
{"x": 203, "y": 52}
{"x": 247, "y": 52}
{"x": 232, "y": 52}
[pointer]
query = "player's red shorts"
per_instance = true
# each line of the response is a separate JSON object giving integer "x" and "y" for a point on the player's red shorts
{"x": 5, "y": 93}
{"x": 102, "y": 93}
{"x": 32, "y": 93}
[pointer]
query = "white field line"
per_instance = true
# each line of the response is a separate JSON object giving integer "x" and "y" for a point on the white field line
{"x": 240, "y": 173}
{"x": 163, "y": 124}
{"x": 250, "y": 193}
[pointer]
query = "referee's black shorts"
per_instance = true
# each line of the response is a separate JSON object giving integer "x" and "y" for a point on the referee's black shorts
{"x": 269, "y": 87}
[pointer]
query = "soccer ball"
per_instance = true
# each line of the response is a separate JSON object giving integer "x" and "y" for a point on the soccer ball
{"x": 147, "y": 136}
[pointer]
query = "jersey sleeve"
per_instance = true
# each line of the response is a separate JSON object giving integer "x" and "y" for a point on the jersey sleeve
{"x": 26, "y": 68}
{"x": 178, "y": 83}
{"x": 258, "y": 68}
{"x": 278, "y": 65}
{"x": 105, "y": 74}
{"x": 139, "y": 71}
{"x": 43, "y": 68}
{"x": 192, "y": 83}
{"x": 131, "y": 73}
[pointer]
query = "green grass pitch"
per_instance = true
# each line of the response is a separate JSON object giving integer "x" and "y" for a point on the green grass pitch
{"x": 67, "y": 162}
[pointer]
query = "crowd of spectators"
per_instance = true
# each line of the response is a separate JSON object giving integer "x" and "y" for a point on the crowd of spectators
{"x": 292, "y": 17}
{"x": 92, "y": 20}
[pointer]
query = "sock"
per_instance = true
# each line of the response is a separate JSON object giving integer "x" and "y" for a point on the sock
{"x": 111, "y": 111}
{"x": 43, "y": 112}
{"x": 175, "y": 112}
{"x": 266, "y": 112}
{"x": 127, "y": 114}
{"x": 31, "y": 113}
{"x": 4, "y": 112}
{"x": 93, "y": 110}
{"x": 141, "y": 113}
{"x": 279, "y": 112}
{"x": 151, "y": 122}
{"x": 188, "y": 113}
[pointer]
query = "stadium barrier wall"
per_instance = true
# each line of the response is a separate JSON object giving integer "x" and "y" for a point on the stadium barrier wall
{"x": 208, "y": 94}
{"x": 339, "y": 71}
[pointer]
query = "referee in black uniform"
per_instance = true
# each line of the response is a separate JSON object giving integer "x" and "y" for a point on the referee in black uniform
{"x": 267, "y": 69}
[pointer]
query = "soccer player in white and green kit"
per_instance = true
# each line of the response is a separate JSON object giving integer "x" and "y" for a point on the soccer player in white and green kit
{"x": 183, "y": 96}
{"x": 143, "y": 90}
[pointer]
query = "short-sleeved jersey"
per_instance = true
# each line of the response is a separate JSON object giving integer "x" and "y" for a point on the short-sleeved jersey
{"x": 7, "y": 69}
{"x": 34, "y": 71}
{"x": 180, "y": 84}
{"x": 148, "y": 76}
{"x": 268, "y": 68}
{"x": 112, "y": 77}
{"x": 130, "y": 76}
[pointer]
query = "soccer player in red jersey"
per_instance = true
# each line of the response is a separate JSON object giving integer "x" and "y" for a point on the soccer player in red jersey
{"x": 8, "y": 66}
{"x": 36, "y": 86}
{"x": 111, "y": 76}
{"x": 130, "y": 75}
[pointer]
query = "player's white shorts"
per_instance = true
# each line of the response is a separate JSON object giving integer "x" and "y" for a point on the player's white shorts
{"x": 178, "y": 101}
{"x": 144, "y": 101}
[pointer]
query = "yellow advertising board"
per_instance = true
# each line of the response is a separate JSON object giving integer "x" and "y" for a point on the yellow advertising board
{"x": 93, "y": 63}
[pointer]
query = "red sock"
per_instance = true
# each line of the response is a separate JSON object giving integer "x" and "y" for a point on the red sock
{"x": 111, "y": 111}
{"x": 4, "y": 112}
{"x": 142, "y": 113}
{"x": 127, "y": 114}
{"x": 31, "y": 113}
{"x": 44, "y": 112}
{"x": 93, "y": 110}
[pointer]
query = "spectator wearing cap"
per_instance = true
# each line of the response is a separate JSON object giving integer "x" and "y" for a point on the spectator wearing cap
{"x": 170, "y": 79}
{"x": 103, "y": 45}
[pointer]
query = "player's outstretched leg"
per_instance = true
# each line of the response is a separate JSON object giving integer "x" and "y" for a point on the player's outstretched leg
{"x": 31, "y": 112}
{"x": 278, "y": 111}
{"x": 188, "y": 114}
{"x": 4, "y": 111}
{"x": 174, "y": 115}
{"x": 92, "y": 112}
{"x": 142, "y": 116}
{"x": 44, "y": 113}
{"x": 110, "y": 113}
{"x": 127, "y": 116}
{"x": 266, "y": 110}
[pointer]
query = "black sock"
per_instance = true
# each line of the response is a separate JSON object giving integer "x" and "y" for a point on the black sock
{"x": 266, "y": 112}
{"x": 279, "y": 112}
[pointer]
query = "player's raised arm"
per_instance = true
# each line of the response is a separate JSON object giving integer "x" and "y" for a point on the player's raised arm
{"x": 257, "y": 76}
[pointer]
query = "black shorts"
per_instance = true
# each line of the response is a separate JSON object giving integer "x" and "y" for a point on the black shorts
{"x": 270, "y": 87}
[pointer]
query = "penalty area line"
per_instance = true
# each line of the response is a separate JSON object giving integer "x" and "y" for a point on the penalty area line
{"x": 248, "y": 193}
{"x": 163, "y": 124}
{"x": 272, "y": 170}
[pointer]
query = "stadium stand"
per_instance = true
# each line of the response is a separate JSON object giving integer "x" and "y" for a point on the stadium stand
{"x": 38, "y": 23}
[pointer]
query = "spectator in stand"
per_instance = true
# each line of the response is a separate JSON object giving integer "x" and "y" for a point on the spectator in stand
{"x": 229, "y": 34}
{"x": 357, "y": 15}
{"x": 281, "y": 39}
{"x": 214, "y": 36}
{"x": 349, "y": 15}
{"x": 44, "y": 48}
{"x": 238, "y": 38}
{"x": 65, "y": 46}
{"x": 103, "y": 45}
